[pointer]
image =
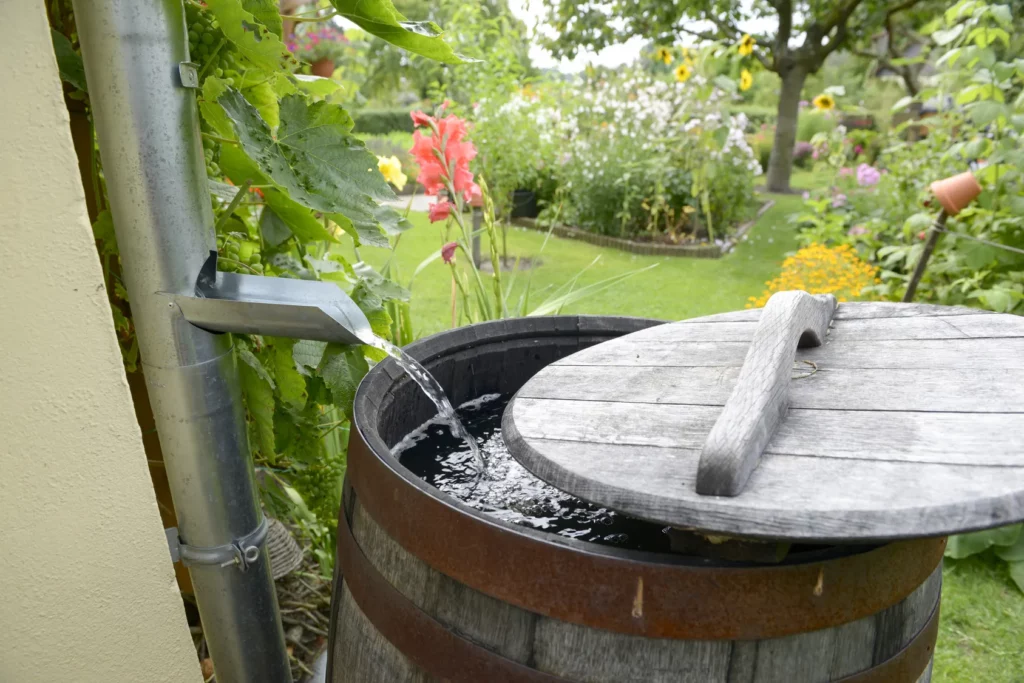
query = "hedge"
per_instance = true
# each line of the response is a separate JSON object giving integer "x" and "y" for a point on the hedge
{"x": 382, "y": 121}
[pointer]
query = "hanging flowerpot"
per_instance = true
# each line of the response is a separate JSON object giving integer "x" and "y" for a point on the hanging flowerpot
{"x": 956, "y": 192}
{"x": 322, "y": 67}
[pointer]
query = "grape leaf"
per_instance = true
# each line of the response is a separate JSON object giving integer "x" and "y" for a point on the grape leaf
{"x": 263, "y": 97}
{"x": 316, "y": 85}
{"x": 69, "y": 62}
{"x": 253, "y": 40}
{"x": 342, "y": 368}
{"x": 259, "y": 398}
{"x": 299, "y": 220}
{"x": 213, "y": 114}
{"x": 103, "y": 232}
{"x": 372, "y": 304}
{"x": 267, "y": 12}
{"x": 314, "y": 158}
{"x": 308, "y": 353}
{"x": 290, "y": 383}
{"x": 380, "y": 18}
{"x": 250, "y": 359}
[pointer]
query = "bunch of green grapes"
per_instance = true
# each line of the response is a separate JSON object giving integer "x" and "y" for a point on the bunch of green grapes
{"x": 238, "y": 254}
{"x": 211, "y": 154}
{"x": 319, "y": 484}
{"x": 206, "y": 42}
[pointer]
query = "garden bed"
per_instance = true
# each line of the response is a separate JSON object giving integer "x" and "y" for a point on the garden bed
{"x": 694, "y": 250}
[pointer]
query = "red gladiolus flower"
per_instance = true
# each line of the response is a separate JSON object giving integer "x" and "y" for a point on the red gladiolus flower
{"x": 448, "y": 252}
{"x": 439, "y": 211}
{"x": 445, "y": 141}
{"x": 420, "y": 120}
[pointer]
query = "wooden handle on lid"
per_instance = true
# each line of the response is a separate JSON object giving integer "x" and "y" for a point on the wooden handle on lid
{"x": 761, "y": 397}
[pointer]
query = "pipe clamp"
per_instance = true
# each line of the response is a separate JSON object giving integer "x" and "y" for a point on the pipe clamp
{"x": 243, "y": 552}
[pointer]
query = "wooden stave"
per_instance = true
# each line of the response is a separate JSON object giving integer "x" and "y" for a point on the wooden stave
{"x": 360, "y": 653}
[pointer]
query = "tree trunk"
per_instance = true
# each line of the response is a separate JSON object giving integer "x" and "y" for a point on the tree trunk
{"x": 781, "y": 164}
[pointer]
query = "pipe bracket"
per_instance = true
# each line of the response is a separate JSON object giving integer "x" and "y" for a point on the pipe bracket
{"x": 189, "y": 74}
{"x": 243, "y": 552}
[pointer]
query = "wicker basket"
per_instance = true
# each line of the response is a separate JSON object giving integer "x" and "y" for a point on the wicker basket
{"x": 285, "y": 552}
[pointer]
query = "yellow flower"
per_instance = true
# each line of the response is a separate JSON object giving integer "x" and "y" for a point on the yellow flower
{"x": 746, "y": 46}
{"x": 822, "y": 270}
{"x": 663, "y": 54}
{"x": 825, "y": 102}
{"x": 746, "y": 80}
{"x": 391, "y": 169}
{"x": 683, "y": 72}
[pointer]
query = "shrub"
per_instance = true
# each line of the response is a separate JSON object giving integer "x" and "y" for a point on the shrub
{"x": 889, "y": 220}
{"x": 813, "y": 122}
{"x": 644, "y": 156}
{"x": 518, "y": 141}
{"x": 382, "y": 121}
{"x": 757, "y": 115}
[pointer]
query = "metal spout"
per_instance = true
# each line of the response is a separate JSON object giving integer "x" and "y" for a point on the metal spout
{"x": 282, "y": 307}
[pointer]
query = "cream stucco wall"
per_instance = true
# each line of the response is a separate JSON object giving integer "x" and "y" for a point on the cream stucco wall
{"x": 87, "y": 590}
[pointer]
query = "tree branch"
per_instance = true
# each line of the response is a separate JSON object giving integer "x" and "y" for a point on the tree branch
{"x": 704, "y": 35}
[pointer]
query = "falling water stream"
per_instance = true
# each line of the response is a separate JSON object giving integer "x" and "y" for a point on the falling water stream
{"x": 435, "y": 393}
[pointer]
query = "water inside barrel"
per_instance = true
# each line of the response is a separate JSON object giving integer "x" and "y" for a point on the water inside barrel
{"x": 507, "y": 490}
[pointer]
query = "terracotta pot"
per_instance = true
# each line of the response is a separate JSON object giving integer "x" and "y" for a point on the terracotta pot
{"x": 322, "y": 67}
{"x": 957, "y": 192}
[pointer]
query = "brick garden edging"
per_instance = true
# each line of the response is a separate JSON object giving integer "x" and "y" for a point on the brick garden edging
{"x": 648, "y": 248}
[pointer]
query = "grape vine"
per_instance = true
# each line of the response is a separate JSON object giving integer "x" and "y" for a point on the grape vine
{"x": 289, "y": 186}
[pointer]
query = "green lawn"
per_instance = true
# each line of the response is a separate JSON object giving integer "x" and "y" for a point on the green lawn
{"x": 677, "y": 288}
{"x": 982, "y": 627}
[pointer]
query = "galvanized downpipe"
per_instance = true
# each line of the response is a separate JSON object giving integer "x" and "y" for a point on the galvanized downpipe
{"x": 148, "y": 128}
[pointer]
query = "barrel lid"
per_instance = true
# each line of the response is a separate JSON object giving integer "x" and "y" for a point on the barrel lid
{"x": 906, "y": 421}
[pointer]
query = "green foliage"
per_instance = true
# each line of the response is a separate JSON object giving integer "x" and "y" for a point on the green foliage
{"x": 812, "y": 123}
{"x": 486, "y": 33}
{"x": 250, "y": 37}
{"x": 380, "y": 18}
{"x": 637, "y": 154}
{"x": 383, "y": 121}
{"x": 309, "y": 180}
{"x": 1005, "y": 543}
{"x": 890, "y": 221}
{"x": 69, "y": 62}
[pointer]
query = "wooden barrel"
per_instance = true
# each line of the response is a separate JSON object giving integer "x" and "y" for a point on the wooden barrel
{"x": 427, "y": 589}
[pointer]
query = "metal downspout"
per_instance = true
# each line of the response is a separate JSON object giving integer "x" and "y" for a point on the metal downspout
{"x": 148, "y": 129}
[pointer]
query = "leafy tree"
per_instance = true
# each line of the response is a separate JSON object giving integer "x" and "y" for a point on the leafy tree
{"x": 485, "y": 30}
{"x": 807, "y": 32}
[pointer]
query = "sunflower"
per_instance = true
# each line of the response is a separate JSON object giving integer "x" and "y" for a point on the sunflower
{"x": 746, "y": 80}
{"x": 683, "y": 72}
{"x": 746, "y": 46}
{"x": 663, "y": 54}
{"x": 825, "y": 102}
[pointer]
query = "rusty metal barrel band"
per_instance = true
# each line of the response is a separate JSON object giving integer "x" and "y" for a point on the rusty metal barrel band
{"x": 449, "y": 657}
{"x": 612, "y": 591}
{"x": 425, "y": 641}
{"x": 909, "y": 663}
